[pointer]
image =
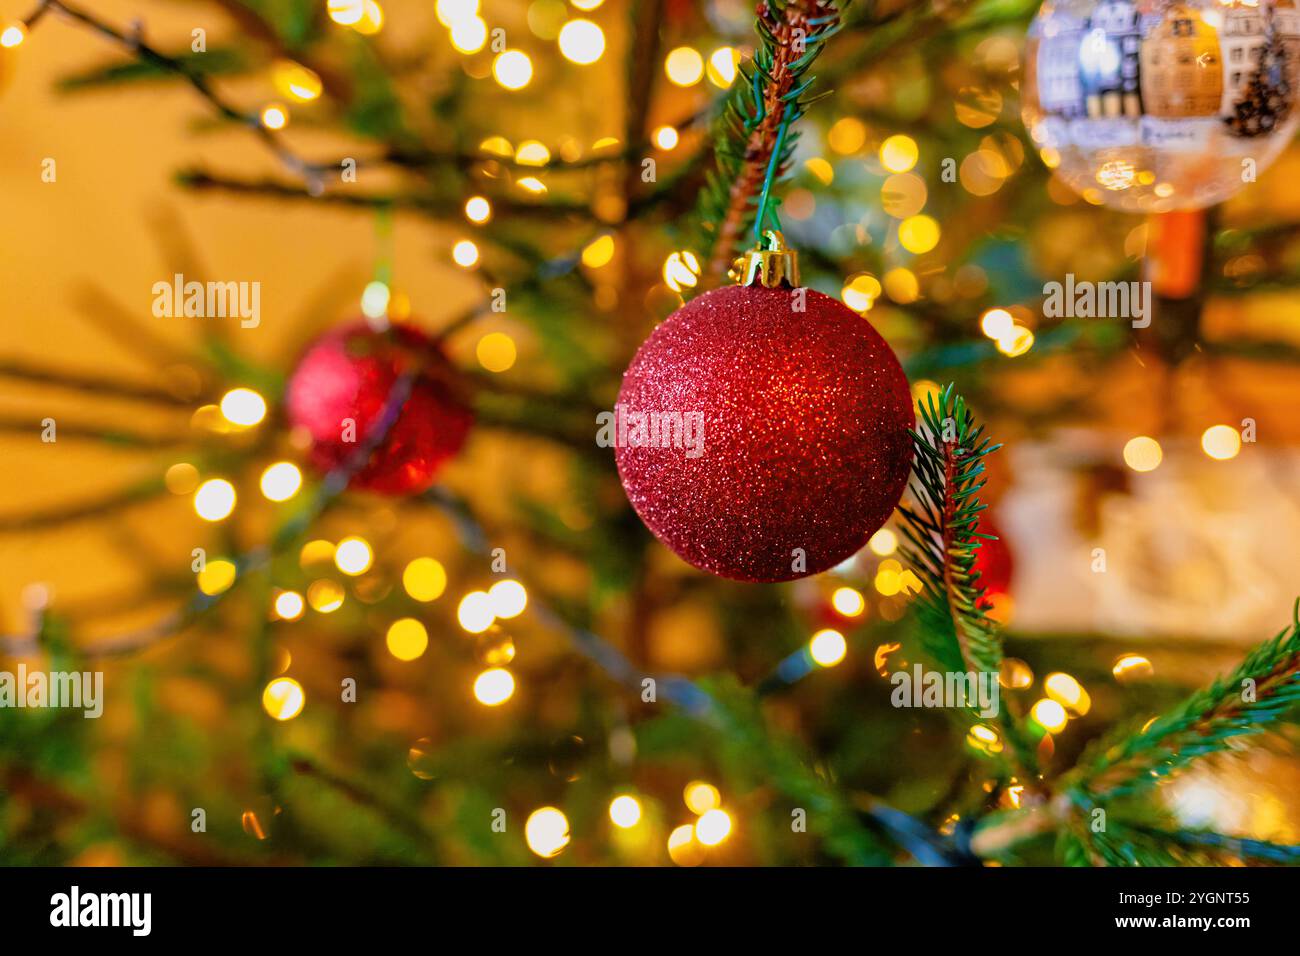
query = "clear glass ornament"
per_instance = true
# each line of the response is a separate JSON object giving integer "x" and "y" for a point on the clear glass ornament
{"x": 1158, "y": 105}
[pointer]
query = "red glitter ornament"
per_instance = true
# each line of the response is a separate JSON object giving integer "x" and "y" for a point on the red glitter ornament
{"x": 794, "y": 442}
{"x": 348, "y": 374}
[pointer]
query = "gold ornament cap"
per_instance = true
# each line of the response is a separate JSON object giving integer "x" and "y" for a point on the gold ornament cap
{"x": 771, "y": 267}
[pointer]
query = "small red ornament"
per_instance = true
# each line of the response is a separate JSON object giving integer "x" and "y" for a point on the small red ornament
{"x": 802, "y": 411}
{"x": 348, "y": 374}
{"x": 993, "y": 561}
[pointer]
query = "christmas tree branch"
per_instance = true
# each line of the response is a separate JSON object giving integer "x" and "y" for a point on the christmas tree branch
{"x": 941, "y": 544}
{"x": 184, "y": 68}
{"x": 722, "y": 706}
{"x": 287, "y": 534}
{"x": 448, "y": 207}
{"x": 91, "y": 383}
{"x": 393, "y": 813}
{"x": 1220, "y": 848}
{"x": 941, "y": 540}
{"x": 753, "y": 140}
{"x": 750, "y": 747}
{"x": 27, "y": 426}
{"x": 1134, "y": 844}
{"x": 1262, "y": 690}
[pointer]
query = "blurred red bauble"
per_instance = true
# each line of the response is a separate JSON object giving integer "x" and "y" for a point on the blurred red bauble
{"x": 993, "y": 561}
{"x": 800, "y": 449}
{"x": 348, "y": 374}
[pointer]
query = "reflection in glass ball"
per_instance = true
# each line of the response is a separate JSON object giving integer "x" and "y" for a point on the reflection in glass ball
{"x": 1157, "y": 105}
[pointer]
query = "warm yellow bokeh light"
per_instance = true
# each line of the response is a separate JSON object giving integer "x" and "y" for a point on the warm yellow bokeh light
{"x": 469, "y": 35}
{"x": 684, "y": 66}
{"x": 923, "y": 391}
{"x": 13, "y": 35}
{"x": 903, "y": 195}
{"x": 216, "y": 576}
{"x": 181, "y": 478}
{"x": 497, "y": 146}
{"x": 295, "y": 81}
{"x": 1132, "y": 667}
{"x": 209, "y": 418}
{"x": 682, "y": 848}
{"x": 325, "y": 596}
{"x": 888, "y": 582}
{"x": 598, "y": 252}
{"x": 532, "y": 152}
{"x": 274, "y": 116}
{"x": 828, "y": 647}
{"x": 512, "y": 69}
{"x": 1221, "y": 442}
{"x": 665, "y": 137}
{"x": 821, "y": 170}
{"x": 625, "y": 811}
{"x": 701, "y": 797}
{"x": 860, "y": 291}
{"x": 1067, "y": 692}
{"x": 883, "y": 543}
{"x": 375, "y": 298}
{"x": 281, "y": 481}
{"x": 581, "y": 42}
{"x": 899, "y": 153}
{"x": 508, "y": 599}
{"x": 424, "y": 579}
{"x": 984, "y": 734}
{"x": 902, "y": 285}
{"x": 478, "y": 209}
{"x": 547, "y": 832}
{"x": 316, "y": 551}
{"x": 346, "y": 12}
{"x": 243, "y": 406}
{"x": 847, "y": 135}
{"x": 496, "y": 352}
{"x": 713, "y": 827}
{"x": 1050, "y": 715}
{"x": 289, "y": 605}
{"x": 372, "y": 19}
{"x": 214, "y": 499}
{"x": 407, "y": 639}
{"x": 451, "y": 12}
{"x": 494, "y": 686}
{"x": 283, "y": 698}
{"x": 918, "y": 234}
{"x": 997, "y": 323}
{"x": 722, "y": 66}
{"x": 353, "y": 556}
{"x": 1143, "y": 453}
{"x": 465, "y": 253}
{"x": 681, "y": 270}
{"x": 475, "y": 612}
{"x": 1015, "y": 673}
{"x": 848, "y": 601}
{"x": 1016, "y": 342}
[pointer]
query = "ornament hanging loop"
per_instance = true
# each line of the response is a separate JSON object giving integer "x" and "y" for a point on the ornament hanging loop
{"x": 770, "y": 267}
